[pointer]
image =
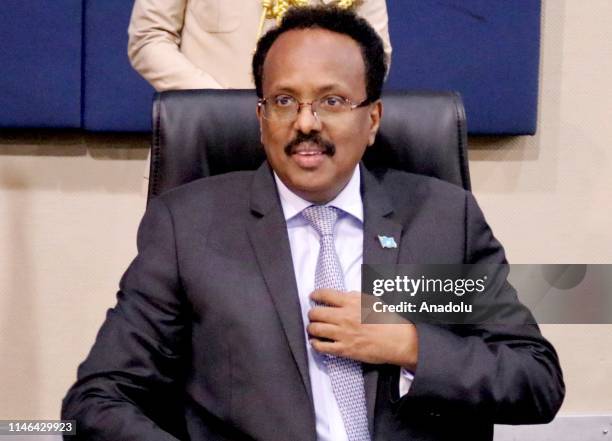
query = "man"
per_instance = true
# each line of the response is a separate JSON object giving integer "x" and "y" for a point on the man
{"x": 202, "y": 44}
{"x": 220, "y": 331}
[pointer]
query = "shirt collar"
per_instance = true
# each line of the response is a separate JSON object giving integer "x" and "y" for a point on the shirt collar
{"x": 348, "y": 200}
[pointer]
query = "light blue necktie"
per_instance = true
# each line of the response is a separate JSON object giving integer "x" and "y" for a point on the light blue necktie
{"x": 345, "y": 374}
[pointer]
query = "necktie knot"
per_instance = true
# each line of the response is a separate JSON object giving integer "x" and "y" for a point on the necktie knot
{"x": 322, "y": 218}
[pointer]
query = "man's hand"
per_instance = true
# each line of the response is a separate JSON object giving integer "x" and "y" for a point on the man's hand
{"x": 336, "y": 329}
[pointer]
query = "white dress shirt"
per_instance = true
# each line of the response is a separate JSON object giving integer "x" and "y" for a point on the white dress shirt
{"x": 304, "y": 243}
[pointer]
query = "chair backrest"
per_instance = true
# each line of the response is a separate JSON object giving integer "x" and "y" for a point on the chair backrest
{"x": 199, "y": 133}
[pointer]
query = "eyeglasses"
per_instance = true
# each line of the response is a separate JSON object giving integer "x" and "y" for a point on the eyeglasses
{"x": 285, "y": 108}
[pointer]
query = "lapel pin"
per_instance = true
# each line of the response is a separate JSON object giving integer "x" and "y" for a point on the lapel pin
{"x": 387, "y": 242}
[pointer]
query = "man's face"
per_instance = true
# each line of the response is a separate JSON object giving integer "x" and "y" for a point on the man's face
{"x": 315, "y": 156}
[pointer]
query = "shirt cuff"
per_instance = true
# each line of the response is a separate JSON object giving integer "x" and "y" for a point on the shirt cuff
{"x": 405, "y": 381}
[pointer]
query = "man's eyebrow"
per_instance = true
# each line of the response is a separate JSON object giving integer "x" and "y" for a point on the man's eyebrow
{"x": 284, "y": 89}
{"x": 332, "y": 87}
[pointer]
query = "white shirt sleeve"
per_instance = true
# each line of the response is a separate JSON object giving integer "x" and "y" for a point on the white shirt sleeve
{"x": 405, "y": 382}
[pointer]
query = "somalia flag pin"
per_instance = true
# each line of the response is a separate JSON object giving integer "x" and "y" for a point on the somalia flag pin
{"x": 387, "y": 242}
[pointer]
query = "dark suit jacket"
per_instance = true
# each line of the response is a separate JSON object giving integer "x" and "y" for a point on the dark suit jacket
{"x": 206, "y": 341}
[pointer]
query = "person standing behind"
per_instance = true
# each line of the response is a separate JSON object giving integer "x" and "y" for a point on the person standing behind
{"x": 208, "y": 44}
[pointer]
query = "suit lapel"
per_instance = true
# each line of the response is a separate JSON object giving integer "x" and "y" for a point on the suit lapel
{"x": 268, "y": 236}
{"x": 377, "y": 210}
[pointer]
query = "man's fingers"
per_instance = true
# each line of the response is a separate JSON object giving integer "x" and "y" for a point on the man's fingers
{"x": 323, "y": 331}
{"x": 331, "y": 297}
{"x": 323, "y": 314}
{"x": 327, "y": 347}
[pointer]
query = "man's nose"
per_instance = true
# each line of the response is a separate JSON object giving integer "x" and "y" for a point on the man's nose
{"x": 307, "y": 119}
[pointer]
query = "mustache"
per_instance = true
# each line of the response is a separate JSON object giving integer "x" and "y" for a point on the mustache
{"x": 328, "y": 147}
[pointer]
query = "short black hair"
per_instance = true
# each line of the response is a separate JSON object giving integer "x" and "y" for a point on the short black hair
{"x": 332, "y": 19}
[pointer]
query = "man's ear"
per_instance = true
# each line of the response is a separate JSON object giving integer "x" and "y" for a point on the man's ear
{"x": 376, "y": 111}
{"x": 260, "y": 118}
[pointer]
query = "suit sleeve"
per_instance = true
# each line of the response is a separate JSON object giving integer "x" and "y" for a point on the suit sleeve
{"x": 128, "y": 388}
{"x": 503, "y": 373}
{"x": 154, "y": 47}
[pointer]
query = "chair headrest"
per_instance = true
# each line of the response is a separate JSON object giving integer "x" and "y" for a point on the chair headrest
{"x": 199, "y": 133}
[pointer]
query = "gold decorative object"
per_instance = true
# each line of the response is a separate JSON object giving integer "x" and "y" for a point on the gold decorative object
{"x": 276, "y": 9}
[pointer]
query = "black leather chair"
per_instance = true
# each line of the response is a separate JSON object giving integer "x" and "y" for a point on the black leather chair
{"x": 199, "y": 133}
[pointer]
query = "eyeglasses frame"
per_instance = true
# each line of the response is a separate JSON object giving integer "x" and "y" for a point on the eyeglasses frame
{"x": 262, "y": 101}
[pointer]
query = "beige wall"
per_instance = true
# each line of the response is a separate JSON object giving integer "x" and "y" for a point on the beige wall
{"x": 69, "y": 209}
{"x": 70, "y": 205}
{"x": 549, "y": 197}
